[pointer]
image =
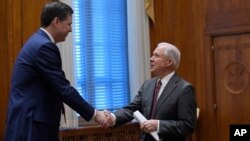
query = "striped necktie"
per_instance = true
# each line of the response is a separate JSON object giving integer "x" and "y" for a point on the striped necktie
{"x": 155, "y": 97}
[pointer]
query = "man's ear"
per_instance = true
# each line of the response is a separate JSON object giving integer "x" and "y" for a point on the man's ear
{"x": 55, "y": 21}
{"x": 169, "y": 62}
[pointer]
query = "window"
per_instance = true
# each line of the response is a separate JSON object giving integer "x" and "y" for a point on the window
{"x": 101, "y": 52}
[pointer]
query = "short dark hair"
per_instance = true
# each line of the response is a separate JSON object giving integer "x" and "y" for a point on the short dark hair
{"x": 54, "y": 9}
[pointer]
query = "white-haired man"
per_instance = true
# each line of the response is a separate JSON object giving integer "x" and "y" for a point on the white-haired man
{"x": 167, "y": 100}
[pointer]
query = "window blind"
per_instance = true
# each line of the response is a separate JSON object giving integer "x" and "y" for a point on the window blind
{"x": 101, "y": 52}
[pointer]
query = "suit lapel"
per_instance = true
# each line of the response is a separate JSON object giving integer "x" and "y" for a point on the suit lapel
{"x": 167, "y": 91}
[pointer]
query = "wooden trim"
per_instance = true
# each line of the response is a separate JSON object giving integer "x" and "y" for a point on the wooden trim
{"x": 228, "y": 22}
{"x": 127, "y": 132}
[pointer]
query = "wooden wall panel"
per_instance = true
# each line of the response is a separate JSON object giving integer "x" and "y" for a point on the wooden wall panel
{"x": 10, "y": 39}
{"x": 231, "y": 70}
{"x": 31, "y": 11}
{"x": 224, "y": 18}
{"x": 175, "y": 22}
{"x": 227, "y": 17}
{"x": 162, "y": 28}
{"x": 4, "y": 68}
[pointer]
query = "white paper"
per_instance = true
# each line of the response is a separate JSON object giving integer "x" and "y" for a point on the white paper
{"x": 140, "y": 118}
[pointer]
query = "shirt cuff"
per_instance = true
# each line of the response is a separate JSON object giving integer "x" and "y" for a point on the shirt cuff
{"x": 158, "y": 125}
{"x": 113, "y": 115}
{"x": 94, "y": 115}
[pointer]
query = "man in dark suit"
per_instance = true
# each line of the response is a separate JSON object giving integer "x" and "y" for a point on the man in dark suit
{"x": 39, "y": 86}
{"x": 173, "y": 116}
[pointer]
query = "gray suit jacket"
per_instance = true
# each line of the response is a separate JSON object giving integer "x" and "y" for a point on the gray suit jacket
{"x": 176, "y": 109}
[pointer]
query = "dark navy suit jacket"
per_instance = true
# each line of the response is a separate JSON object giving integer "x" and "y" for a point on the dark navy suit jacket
{"x": 176, "y": 109}
{"x": 39, "y": 88}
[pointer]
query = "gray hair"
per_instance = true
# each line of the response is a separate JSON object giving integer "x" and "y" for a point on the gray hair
{"x": 172, "y": 52}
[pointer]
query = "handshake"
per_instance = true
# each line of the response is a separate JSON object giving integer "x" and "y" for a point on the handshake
{"x": 105, "y": 118}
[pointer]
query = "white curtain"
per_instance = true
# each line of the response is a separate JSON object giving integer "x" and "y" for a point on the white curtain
{"x": 66, "y": 50}
{"x": 67, "y": 64}
{"x": 139, "y": 45}
{"x": 139, "y": 54}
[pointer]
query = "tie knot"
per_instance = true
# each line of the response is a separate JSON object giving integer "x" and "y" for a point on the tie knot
{"x": 159, "y": 83}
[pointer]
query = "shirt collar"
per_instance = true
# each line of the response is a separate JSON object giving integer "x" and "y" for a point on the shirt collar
{"x": 50, "y": 36}
{"x": 166, "y": 78}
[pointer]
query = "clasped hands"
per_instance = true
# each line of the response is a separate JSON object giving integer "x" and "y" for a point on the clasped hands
{"x": 104, "y": 118}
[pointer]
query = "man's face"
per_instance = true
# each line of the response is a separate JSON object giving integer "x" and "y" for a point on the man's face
{"x": 159, "y": 63}
{"x": 63, "y": 28}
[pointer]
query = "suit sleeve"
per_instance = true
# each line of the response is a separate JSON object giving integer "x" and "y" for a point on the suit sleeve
{"x": 48, "y": 64}
{"x": 125, "y": 114}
